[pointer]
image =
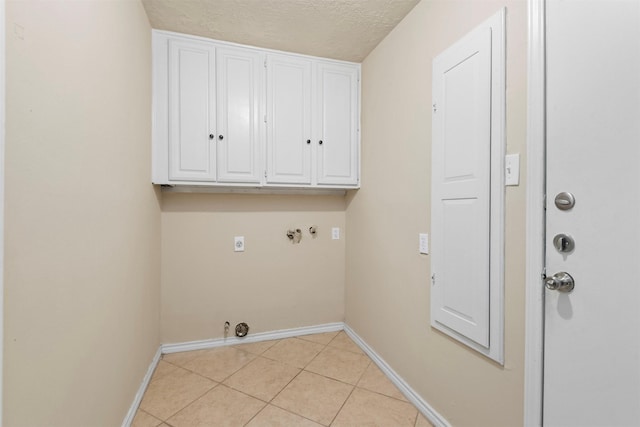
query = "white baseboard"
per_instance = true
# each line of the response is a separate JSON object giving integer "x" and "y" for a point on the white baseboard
{"x": 128, "y": 419}
{"x": 261, "y": 336}
{"x": 431, "y": 414}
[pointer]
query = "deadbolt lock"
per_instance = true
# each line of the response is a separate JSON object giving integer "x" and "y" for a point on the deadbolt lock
{"x": 564, "y": 243}
{"x": 564, "y": 201}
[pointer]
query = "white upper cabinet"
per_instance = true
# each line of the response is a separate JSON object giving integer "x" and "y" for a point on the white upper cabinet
{"x": 238, "y": 140}
{"x": 192, "y": 111}
{"x": 289, "y": 138}
{"x": 312, "y": 122}
{"x": 337, "y": 124}
{"x": 226, "y": 115}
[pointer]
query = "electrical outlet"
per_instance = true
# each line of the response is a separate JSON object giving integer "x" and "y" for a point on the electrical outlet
{"x": 335, "y": 233}
{"x": 238, "y": 244}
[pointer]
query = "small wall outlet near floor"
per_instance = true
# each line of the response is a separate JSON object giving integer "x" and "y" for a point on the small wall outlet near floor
{"x": 238, "y": 244}
{"x": 335, "y": 233}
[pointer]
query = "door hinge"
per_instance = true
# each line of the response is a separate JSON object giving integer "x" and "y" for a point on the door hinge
{"x": 435, "y": 108}
{"x": 544, "y": 202}
{"x": 433, "y": 279}
{"x": 544, "y": 273}
{"x": 265, "y": 118}
{"x": 265, "y": 62}
{"x": 265, "y": 174}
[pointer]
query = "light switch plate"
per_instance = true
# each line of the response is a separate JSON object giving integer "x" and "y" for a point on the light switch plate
{"x": 512, "y": 169}
{"x": 238, "y": 244}
{"x": 335, "y": 233}
{"x": 423, "y": 238}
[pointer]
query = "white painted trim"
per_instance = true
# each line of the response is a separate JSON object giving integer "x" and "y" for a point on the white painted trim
{"x": 425, "y": 409}
{"x": 128, "y": 419}
{"x": 262, "y": 336}
{"x": 535, "y": 231}
{"x": 2, "y": 148}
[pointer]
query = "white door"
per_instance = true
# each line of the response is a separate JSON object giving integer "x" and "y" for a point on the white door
{"x": 337, "y": 129}
{"x": 288, "y": 120}
{"x": 192, "y": 113}
{"x": 238, "y": 140}
{"x": 592, "y": 334}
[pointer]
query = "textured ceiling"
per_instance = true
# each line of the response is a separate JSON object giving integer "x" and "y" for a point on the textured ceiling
{"x": 339, "y": 29}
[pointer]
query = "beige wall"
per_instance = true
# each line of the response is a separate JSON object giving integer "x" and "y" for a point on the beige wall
{"x": 82, "y": 219}
{"x": 387, "y": 285}
{"x": 273, "y": 285}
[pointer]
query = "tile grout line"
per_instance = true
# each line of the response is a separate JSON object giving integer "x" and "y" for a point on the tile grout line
{"x": 352, "y": 390}
{"x": 189, "y": 404}
{"x": 342, "y": 406}
{"x": 296, "y": 376}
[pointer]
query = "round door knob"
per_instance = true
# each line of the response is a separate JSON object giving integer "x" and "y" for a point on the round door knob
{"x": 211, "y": 136}
{"x": 220, "y": 137}
{"x": 561, "y": 282}
{"x": 320, "y": 142}
{"x": 308, "y": 141}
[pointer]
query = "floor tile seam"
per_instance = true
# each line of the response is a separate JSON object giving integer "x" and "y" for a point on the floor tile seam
{"x": 283, "y": 388}
{"x": 289, "y": 364}
{"x": 149, "y": 414}
{"x": 257, "y": 413}
{"x": 314, "y": 357}
{"x": 228, "y": 376}
{"x": 199, "y": 374}
{"x": 364, "y": 371}
{"x": 173, "y": 364}
{"x": 241, "y": 368}
{"x": 166, "y": 420}
{"x": 346, "y": 349}
{"x": 336, "y": 379}
{"x": 251, "y": 352}
{"x": 415, "y": 422}
{"x": 386, "y": 395}
{"x": 281, "y": 361}
{"x": 299, "y": 415}
{"x": 255, "y": 397}
{"x": 342, "y": 406}
{"x": 245, "y": 393}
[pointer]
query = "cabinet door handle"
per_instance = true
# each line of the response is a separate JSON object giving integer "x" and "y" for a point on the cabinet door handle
{"x": 320, "y": 142}
{"x": 211, "y": 136}
{"x": 308, "y": 141}
{"x": 220, "y": 137}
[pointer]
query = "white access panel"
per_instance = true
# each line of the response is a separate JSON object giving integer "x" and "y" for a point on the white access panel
{"x": 337, "y": 88}
{"x": 467, "y": 136}
{"x": 192, "y": 111}
{"x": 289, "y": 138}
{"x": 238, "y": 139}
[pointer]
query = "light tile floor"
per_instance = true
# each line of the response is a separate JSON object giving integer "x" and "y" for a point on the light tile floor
{"x": 311, "y": 380}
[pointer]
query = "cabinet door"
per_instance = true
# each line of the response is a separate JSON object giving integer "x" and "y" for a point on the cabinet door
{"x": 337, "y": 133}
{"x": 288, "y": 120}
{"x": 238, "y": 139}
{"x": 192, "y": 111}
